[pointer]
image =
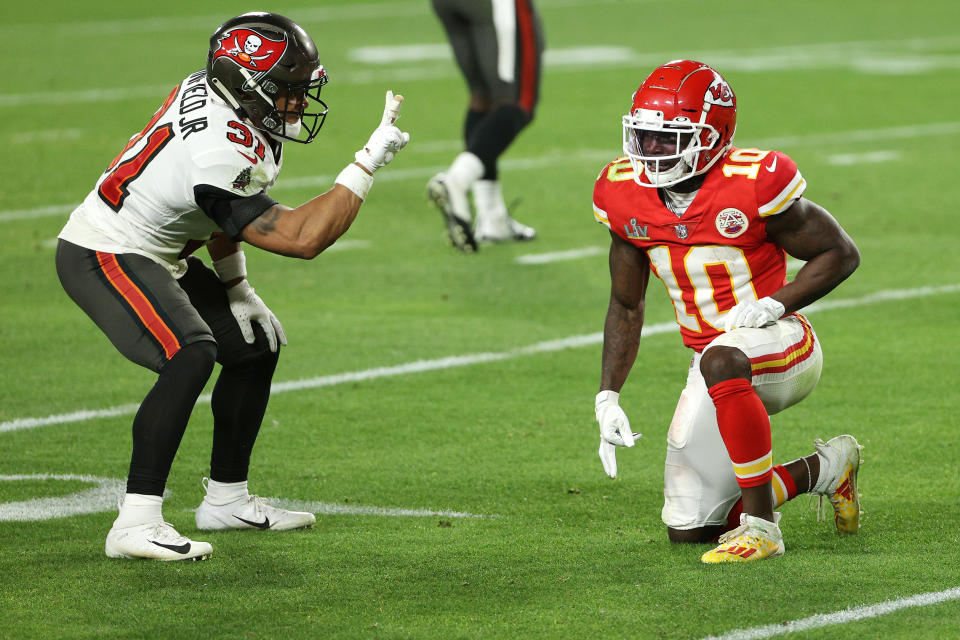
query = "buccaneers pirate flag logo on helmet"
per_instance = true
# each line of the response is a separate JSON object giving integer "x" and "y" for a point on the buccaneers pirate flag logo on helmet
{"x": 250, "y": 49}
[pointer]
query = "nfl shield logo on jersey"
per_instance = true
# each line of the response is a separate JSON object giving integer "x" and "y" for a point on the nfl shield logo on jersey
{"x": 732, "y": 223}
{"x": 681, "y": 230}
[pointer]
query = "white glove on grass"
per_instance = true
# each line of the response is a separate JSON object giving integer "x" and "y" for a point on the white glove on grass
{"x": 753, "y": 314}
{"x": 615, "y": 429}
{"x": 387, "y": 140}
{"x": 247, "y": 307}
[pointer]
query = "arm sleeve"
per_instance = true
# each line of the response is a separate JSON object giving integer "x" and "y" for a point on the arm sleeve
{"x": 778, "y": 189}
{"x": 231, "y": 212}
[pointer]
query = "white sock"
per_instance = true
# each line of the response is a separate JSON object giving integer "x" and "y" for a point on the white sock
{"x": 820, "y": 486}
{"x": 220, "y": 493}
{"x": 488, "y": 200}
{"x": 138, "y": 508}
{"x": 465, "y": 170}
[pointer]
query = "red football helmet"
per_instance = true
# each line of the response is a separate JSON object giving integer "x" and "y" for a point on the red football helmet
{"x": 681, "y": 122}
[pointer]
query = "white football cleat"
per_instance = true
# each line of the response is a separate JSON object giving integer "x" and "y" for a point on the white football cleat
{"x": 838, "y": 481}
{"x": 454, "y": 205}
{"x": 251, "y": 512}
{"x": 502, "y": 229}
{"x": 156, "y": 541}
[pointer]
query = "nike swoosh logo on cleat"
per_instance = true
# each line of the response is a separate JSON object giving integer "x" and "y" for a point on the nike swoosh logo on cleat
{"x": 179, "y": 548}
{"x": 259, "y": 525}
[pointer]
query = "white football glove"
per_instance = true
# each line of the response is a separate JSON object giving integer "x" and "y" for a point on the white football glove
{"x": 615, "y": 429}
{"x": 247, "y": 307}
{"x": 387, "y": 140}
{"x": 753, "y": 314}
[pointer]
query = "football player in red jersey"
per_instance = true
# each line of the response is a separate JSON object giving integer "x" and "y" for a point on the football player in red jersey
{"x": 715, "y": 223}
{"x": 198, "y": 174}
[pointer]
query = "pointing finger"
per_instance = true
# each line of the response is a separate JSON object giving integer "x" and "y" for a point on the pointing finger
{"x": 391, "y": 110}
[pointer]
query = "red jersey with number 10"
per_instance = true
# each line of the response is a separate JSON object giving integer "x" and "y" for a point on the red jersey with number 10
{"x": 717, "y": 253}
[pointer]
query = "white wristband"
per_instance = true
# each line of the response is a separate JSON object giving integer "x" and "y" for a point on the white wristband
{"x": 231, "y": 267}
{"x": 355, "y": 179}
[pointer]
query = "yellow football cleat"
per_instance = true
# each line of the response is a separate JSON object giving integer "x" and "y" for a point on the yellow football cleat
{"x": 754, "y": 539}
{"x": 840, "y": 487}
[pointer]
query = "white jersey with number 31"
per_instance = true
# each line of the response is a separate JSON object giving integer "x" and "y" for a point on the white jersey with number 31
{"x": 144, "y": 202}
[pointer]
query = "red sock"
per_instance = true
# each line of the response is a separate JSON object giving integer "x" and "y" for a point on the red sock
{"x": 733, "y": 518}
{"x": 745, "y": 429}
{"x": 784, "y": 488}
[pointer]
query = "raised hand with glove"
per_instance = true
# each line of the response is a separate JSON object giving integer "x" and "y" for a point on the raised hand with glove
{"x": 615, "y": 429}
{"x": 385, "y": 142}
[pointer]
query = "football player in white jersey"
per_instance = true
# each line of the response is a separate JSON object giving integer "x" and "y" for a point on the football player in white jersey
{"x": 198, "y": 175}
{"x": 715, "y": 224}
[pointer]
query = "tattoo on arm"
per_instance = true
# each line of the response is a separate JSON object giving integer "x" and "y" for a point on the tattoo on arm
{"x": 266, "y": 222}
{"x": 621, "y": 341}
{"x": 629, "y": 272}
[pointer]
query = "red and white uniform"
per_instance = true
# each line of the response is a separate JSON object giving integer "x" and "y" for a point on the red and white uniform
{"x": 145, "y": 202}
{"x": 717, "y": 253}
{"x": 711, "y": 257}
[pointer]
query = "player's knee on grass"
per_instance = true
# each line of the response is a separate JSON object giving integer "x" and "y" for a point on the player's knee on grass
{"x": 698, "y": 535}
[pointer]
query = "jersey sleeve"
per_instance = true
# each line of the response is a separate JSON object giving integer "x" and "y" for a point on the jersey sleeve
{"x": 228, "y": 188}
{"x": 226, "y": 168}
{"x": 779, "y": 184}
{"x": 599, "y": 213}
{"x": 231, "y": 212}
{"x": 603, "y": 196}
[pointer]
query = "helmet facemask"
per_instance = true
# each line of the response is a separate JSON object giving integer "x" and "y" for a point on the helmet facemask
{"x": 262, "y": 101}
{"x": 682, "y": 142}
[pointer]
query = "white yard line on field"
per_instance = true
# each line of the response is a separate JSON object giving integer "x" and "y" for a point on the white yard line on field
{"x": 894, "y": 57}
{"x": 840, "y": 617}
{"x": 385, "y": 11}
{"x": 103, "y": 497}
{"x": 560, "y": 256}
{"x": 450, "y": 362}
{"x": 867, "y": 157}
{"x": 53, "y": 135}
{"x": 575, "y": 156}
{"x": 338, "y": 509}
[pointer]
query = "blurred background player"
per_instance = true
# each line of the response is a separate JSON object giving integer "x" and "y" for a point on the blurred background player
{"x": 716, "y": 224}
{"x": 197, "y": 175}
{"x": 498, "y": 45}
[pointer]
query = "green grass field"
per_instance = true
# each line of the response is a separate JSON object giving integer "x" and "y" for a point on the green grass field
{"x": 464, "y": 498}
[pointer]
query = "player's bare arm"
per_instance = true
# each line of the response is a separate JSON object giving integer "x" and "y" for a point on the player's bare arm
{"x": 808, "y": 232}
{"x": 304, "y": 232}
{"x": 629, "y": 274}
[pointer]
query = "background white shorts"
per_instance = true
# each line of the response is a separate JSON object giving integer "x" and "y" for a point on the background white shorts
{"x": 699, "y": 484}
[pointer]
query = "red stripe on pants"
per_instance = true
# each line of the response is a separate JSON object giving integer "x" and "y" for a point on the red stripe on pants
{"x": 139, "y": 303}
{"x": 528, "y": 56}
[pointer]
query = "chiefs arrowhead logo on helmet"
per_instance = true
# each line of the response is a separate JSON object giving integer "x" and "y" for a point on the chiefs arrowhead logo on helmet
{"x": 719, "y": 93}
{"x": 250, "y": 49}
